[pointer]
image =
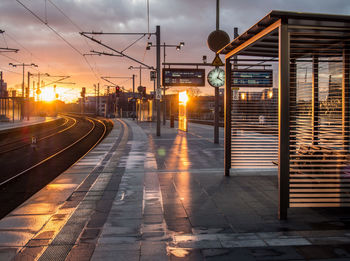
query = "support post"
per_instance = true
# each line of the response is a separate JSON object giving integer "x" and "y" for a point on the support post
{"x": 98, "y": 99}
{"x": 133, "y": 98}
{"x": 22, "y": 102}
{"x": 158, "y": 76}
{"x": 27, "y": 97}
{"x": 315, "y": 111}
{"x": 95, "y": 87}
{"x": 227, "y": 112}
{"x": 13, "y": 109}
{"x": 164, "y": 101}
{"x": 216, "y": 109}
{"x": 283, "y": 121}
{"x": 345, "y": 98}
{"x": 216, "y": 116}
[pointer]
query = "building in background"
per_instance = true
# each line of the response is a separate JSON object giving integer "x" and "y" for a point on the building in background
{"x": 3, "y": 87}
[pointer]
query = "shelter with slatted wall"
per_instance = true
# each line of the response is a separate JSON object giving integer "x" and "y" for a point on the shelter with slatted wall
{"x": 299, "y": 125}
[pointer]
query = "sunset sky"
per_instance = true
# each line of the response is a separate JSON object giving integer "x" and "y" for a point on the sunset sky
{"x": 61, "y": 53}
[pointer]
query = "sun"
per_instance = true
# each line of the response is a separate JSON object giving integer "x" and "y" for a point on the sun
{"x": 47, "y": 94}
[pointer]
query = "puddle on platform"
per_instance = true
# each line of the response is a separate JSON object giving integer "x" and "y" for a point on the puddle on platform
{"x": 177, "y": 252}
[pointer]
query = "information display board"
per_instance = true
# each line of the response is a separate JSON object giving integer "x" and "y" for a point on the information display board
{"x": 252, "y": 78}
{"x": 183, "y": 77}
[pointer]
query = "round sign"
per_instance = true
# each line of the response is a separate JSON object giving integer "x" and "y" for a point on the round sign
{"x": 217, "y": 40}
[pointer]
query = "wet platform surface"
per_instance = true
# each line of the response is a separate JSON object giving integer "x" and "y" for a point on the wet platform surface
{"x": 137, "y": 196}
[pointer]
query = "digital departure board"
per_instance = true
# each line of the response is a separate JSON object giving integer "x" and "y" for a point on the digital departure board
{"x": 183, "y": 77}
{"x": 251, "y": 78}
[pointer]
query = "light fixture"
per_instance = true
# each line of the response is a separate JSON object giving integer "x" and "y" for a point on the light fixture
{"x": 182, "y": 43}
{"x": 148, "y": 47}
{"x": 178, "y": 47}
{"x": 204, "y": 59}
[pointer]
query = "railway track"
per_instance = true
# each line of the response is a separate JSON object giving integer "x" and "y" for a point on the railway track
{"x": 26, "y": 170}
{"x": 23, "y": 138}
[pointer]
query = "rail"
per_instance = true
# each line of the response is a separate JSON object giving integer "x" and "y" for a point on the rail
{"x": 93, "y": 127}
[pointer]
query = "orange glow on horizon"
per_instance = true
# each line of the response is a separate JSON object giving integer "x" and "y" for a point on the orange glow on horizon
{"x": 47, "y": 94}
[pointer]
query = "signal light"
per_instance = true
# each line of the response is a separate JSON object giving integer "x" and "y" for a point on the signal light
{"x": 117, "y": 91}
{"x": 83, "y": 91}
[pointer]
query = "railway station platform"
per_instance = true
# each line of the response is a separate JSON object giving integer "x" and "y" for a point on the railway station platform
{"x": 137, "y": 196}
{"x": 25, "y": 122}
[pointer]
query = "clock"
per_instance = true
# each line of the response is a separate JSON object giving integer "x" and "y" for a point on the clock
{"x": 216, "y": 77}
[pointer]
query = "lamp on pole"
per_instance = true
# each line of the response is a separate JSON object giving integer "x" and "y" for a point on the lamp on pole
{"x": 23, "y": 65}
{"x": 178, "y": 48}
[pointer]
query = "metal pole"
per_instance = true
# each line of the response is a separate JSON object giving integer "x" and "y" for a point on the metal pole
{"x": 217, "y": 14}
{"x": 1, "y": 83}
{"x": 164, "y": 101}
{"x": 216, "y": 116}
{"x": 140, "y": 74}
{"x": 158, "y": 76}
{"x": 283, "y": 121}
{"x": 154, "y": 99}
{"x": 98, "y": 99}
{"x": 27, "y": 96}
{"x": 133, "y": 97}
{"x": 13, "y": 109}
{"x": 22, "y": 103}
{"x": 95, "y": 87}
{"x": 235, "y": 35}
{"x": 23, "y": 81}
{"x": 227, "y": 127}
{"x": 37, "y": 95}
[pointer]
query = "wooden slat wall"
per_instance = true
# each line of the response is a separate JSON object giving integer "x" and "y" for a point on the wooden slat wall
{"x": 319, "y": 167}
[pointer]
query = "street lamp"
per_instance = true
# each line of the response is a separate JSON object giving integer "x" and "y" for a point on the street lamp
{"x": 177, "y": 47}
{"x": 23, "y": 65}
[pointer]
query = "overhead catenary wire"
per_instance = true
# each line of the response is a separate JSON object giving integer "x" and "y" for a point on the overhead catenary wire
{"x": 138, "y": 39}
{"x": 15, "y": 60}
{"x": 76, "y": 26}
{"x": 7, "y": 70}
{"x": 59, "y": 35}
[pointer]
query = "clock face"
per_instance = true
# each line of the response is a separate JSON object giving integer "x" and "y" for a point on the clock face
{"x": 216, "y": 77}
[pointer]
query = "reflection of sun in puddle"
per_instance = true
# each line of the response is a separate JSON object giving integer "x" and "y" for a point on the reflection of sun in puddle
{"x": 178, "y": 252}
{"x": 60, "y": 186}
